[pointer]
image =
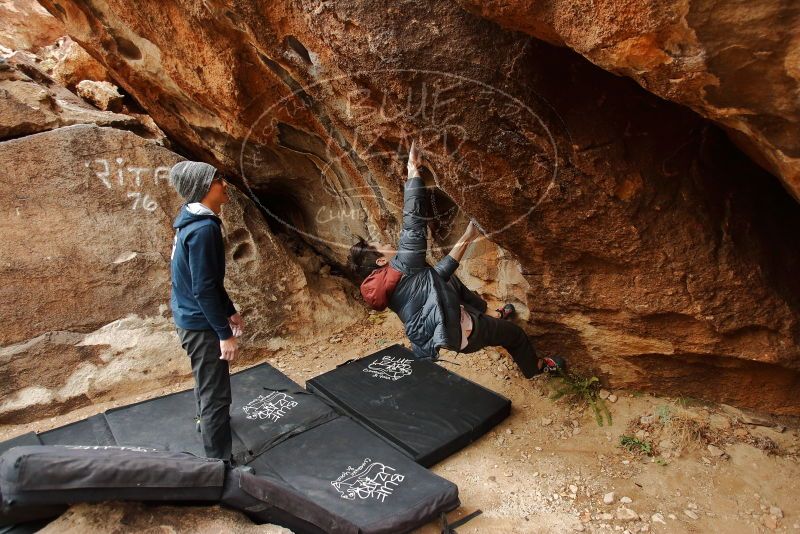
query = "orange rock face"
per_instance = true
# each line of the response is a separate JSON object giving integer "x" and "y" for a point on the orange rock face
{"x": 26, "y": 25}
{"x": 648, "y": 248}
{"x": 84, "y": 269}
{"x": 735, "y": 62}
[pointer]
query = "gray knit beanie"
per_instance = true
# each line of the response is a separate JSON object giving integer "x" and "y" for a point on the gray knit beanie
{"x": 192, "y": 179}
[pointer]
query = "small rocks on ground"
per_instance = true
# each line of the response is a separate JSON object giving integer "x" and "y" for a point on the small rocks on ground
{"x": 719, "y": 421}
{"x": 690, "y": 514}
{"x": 603, "y": 394}
{"x": 658, "y": 518}
{"x": 608, "y": 498}
{"x": 715, "y": 451}
{"x": 774, "y": 511}
{"x": 769, "y": 521}
{"x": 626, "y": 514}
{"x": 612, "y": 398}
{"x": 626, "y": 500}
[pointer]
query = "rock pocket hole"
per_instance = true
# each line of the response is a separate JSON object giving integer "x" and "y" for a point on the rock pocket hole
{"x": 240, "y": 244}
{"x": 243, "y": 252}
{"x": 127, "y": 48}
{"x": 292, "y": 42}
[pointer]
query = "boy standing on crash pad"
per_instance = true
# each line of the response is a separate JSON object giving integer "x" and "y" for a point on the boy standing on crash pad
{"x": 438, "y": 311}
{"x": 206, "y": 321}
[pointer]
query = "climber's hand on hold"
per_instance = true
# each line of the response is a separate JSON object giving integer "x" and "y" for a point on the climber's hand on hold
{"x": 414, "y": 160}
{"x": 471, "y": 233}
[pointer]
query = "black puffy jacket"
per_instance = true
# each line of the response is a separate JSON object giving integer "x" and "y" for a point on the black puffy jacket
{"x": 427, "y": 299}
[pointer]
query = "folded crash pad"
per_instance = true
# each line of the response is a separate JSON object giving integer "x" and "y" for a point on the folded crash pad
{"x": 416, "y": 405}
{"x": 45, "y": 475}
{"x": 354, "y": 482}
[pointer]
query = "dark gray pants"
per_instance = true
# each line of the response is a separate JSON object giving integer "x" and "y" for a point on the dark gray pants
{"x": 212, "y": 390}
{"x": 490, "y": 332}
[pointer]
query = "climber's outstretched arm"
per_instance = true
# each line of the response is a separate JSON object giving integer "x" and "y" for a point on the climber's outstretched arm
{"x": 413, "y": 243}
{"x": 448, "y": 265}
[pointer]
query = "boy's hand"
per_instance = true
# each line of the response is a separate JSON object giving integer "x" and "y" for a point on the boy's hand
{"x": 237, "y": 324}
{"x": 414, "y": 160}
{"x": 229, "y": 349}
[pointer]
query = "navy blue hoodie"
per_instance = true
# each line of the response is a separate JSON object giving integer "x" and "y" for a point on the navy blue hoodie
{"x": 199, "y": 300}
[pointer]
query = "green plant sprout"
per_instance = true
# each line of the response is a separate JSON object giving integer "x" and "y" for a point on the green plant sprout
{"x": 585, "y": 389}
{"x": 635, "y": 444}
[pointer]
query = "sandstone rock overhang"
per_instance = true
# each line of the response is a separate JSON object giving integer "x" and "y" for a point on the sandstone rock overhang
{"x": 647, "y": 241}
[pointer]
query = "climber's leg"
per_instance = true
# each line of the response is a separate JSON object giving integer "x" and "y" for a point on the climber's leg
{"x": 490, "y": 332}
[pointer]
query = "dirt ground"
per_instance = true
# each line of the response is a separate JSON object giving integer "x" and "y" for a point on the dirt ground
{"x": 689, "y": 467}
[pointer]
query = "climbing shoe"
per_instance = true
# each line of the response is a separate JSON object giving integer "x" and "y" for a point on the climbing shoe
{"x": 553, "y": 364}
{"x": 506, "y": 311}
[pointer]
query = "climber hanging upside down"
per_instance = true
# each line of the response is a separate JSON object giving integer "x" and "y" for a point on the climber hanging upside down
{"x": 438, "y": 311}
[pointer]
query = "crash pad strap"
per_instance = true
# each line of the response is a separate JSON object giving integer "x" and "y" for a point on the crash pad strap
{"x": 449, "y": 528}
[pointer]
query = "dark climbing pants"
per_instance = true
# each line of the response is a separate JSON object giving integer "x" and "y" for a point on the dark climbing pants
{"x": 490, "y": 332}
{"x": 212, "y": 390}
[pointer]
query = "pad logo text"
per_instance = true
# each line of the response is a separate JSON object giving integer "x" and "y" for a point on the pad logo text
{"x": 272, "y": 406}
{"x": 389, "y": 368}
{"x": 370, "y": 480}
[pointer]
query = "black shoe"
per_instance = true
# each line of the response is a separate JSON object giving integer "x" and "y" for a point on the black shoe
{"x": 553, "y": 364}
{"x": 506, "y": 311}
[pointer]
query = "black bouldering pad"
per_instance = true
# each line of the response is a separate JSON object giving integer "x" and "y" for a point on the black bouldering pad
{"x": 46, "y": 475}
{"x": 356, "y": 481}
{"x": 165, "y": 423}
{"x": 267, "y": 499}
{"x": 91, "y": 431}
{"x": 267, "y": 408}
{"x": 418, "y": 406}
{"x": 24, "y": 439}
{"x": 315, "y": 470}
